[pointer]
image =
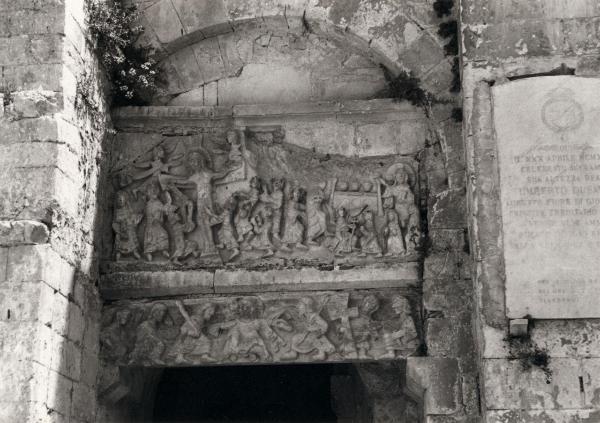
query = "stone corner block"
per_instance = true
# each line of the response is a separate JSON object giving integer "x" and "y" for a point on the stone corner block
{"x": 437, "y": 381}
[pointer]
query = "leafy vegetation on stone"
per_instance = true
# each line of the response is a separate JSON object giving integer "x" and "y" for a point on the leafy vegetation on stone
{"x": 129, "y": 67}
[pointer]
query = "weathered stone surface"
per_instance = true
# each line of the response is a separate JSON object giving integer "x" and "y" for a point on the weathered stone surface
{"x": 438, "y": 378}
{"x": 517, "y": 388}
{"x": 447, "y": 210}
{"x": 548, "y": 149}
{"x": 313, "y": 279}
{"x": 156, "y": 284}
{"x": 22, "y": 232}
{"x": 39, "y": 263}
{"x": 546, "y": 416}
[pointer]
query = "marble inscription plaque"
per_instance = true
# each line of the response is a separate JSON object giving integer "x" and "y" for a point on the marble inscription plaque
{"x": 548, "y": 137}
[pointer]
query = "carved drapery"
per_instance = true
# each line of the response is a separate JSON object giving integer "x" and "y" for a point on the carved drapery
{"x": 253, "y": 200}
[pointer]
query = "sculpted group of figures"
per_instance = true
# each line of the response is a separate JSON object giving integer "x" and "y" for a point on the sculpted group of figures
{"x": 260, "y": 329}
{"x": 178, "y": 207}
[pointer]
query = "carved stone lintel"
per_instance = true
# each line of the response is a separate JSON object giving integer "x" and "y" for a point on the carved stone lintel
{"x": 311, "y": 327}
{"x": 243, "y": 200}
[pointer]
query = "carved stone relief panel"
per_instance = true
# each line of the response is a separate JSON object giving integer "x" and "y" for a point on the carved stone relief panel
{"x": 245, "y": 197}
{"x": 294, "y": 327}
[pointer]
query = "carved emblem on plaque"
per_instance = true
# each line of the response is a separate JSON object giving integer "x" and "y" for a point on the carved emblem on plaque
{"x": 561, "y": 112}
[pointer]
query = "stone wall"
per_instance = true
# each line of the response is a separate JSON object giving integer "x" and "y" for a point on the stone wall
{"x": 217, "y": 53}
{"x": 51, "y": 138}
{"x": 502, "y": 40}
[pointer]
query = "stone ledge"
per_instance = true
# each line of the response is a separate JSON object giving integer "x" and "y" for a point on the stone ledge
{"x": 404, "y": 110}
{"x": 309, "y": 279}
{"x": 123, "y": 285}
{"x": 155, "y": 284}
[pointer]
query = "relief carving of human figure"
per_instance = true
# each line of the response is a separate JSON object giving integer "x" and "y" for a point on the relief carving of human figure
{"x": 181, "y": 247}
{"x": 393, "y": 234}
{"x": 317, "y": 218}
{"x": 113, "y": 337}
{"x": 226, "y": 236}
{"x": 243, "y": 225}
{"x": 295, "y": 222}
{"x": 402, "y": 336}
{"x": 343, "y": 233}
{"x": 125, "y": 225}
{"x": 149, "y": 346}
{"x": 263, "y": 226}
{"x": 369, "y": 243}
{"x": 200, "y": 178}
{"x": 275, "y": 201}
{"x": 157, "y": 166}
{"x": 364, "y": 328}
{"x": 192, "y": 343}
{"x": 156, "y": 238}
{"x": 399, "y": 196}
{"x": 313, "y": 338}
{"x": 244, "y": 338}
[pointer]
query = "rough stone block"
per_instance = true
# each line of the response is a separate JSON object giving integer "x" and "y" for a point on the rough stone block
{"x": 164, "y": 21}
{"x": 22, "y": 232}
{"x": 449, "y": 337}
{"x": 448, "y": 240}
{"x": 568, "y": 338}
{"x": 32, "y": 104}
{"x": 34, "y": 76}
{"x": 31, "y": 193}
{"x": 451, "y": 298}
{"x": 441, "y": 266}
{"x": 197, "y": 16}
{"x": 447, "y": 210}
{"x": 438, "y": 381}
{"x": 513, "y": 387}
{"x": 3, "y": 263}
{"x": 31, "y": 49}
{"x": 89, "y": 368}
{"x": 208, "y": 56}
{"x": 60, "y": 393}
{"x": 46, "y": 20}
{"x": 84, "y": 403}
{"x": 40, "y": 263}
{"x": 286, "y": 84}
{"x": 66, "y": 358}
{"x": 76, "y": 324}
{"x": 382, "y": 138}
{"x": 26, "y": 301}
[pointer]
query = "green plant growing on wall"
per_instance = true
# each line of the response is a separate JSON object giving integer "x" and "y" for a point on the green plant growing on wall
{"x": 129, "y": 67}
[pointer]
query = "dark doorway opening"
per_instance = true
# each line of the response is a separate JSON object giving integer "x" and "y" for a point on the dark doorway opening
{"x": 281, "y": 393}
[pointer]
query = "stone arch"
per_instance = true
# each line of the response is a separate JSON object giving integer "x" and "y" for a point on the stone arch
{"x": 401, "y": 38}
